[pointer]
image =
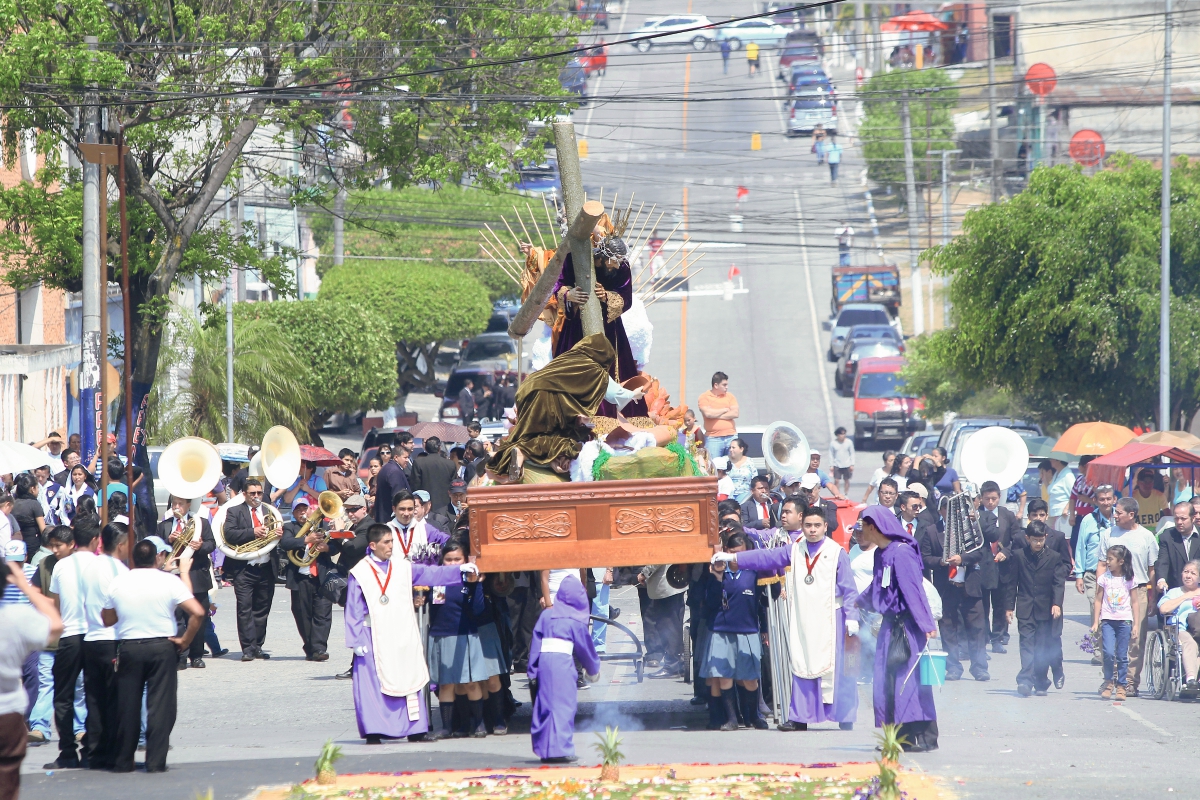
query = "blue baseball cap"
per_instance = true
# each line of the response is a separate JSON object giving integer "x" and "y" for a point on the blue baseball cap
{"x": 158, "y": 543}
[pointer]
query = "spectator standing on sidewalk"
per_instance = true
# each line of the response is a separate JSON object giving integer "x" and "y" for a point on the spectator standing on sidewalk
{"x": 833, "y": 154}
{"x": 1142, "y": 552}
{"x": 841, "y": 457}
{"x": 719, "y": 408}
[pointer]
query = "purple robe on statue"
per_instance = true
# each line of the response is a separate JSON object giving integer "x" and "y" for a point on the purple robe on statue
{"x": 806, "y": 705}
{"x": 619, "y": 284}
{"x": 380, "y": 714}
{"x": 561, "y": 628}
{"x": 897, "y": 593}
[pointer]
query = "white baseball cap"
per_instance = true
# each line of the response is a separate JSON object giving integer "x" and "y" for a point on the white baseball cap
{"x": 810, "y": 480}
{"x": 919, "y": 490}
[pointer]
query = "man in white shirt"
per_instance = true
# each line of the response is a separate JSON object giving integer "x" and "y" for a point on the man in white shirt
{"x": 24, "y": 630}
{"x": 67, "y": 585}
{"x": 1143, "y": 552}
{"x": 140, "y": 605}
{"x": 100, "y": 648}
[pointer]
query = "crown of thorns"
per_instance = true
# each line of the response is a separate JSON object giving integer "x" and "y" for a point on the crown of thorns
{"x": 613, "y": 245}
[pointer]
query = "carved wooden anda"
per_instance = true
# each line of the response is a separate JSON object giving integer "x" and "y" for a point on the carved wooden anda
{"x": 595, "y": 524}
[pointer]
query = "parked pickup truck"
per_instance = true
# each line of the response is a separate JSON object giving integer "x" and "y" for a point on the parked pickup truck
{"x": 871, "y": 284}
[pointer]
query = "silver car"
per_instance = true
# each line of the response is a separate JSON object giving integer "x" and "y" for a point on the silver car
{"x": 855, "y": 314}
{"x": 812, "y": 106}
{"x": 667, "y": 31}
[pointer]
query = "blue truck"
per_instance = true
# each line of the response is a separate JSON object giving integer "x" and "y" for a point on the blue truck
{"x": 879, "y": 283}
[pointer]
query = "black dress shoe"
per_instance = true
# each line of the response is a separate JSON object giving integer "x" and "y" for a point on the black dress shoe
{"x": 1024, "y": 689}
{"x": 374, "y": 738}
{"x": 1040, "y": 692}
{"x": 998, "y": 648}
{"x": 668, "y": 671}
{"x": 560, "y": 760}
{"x": 954, "y": 676}
{"x": 223, "y": 651}
{"x": 981, "y": 676}
{"x": 845, "y": 726}
{"x": 613, "y": 613}
{"x": 698, "y": 701}
{"x": 248, "y": 655}
{"x": 321, "y": 657}
{"x": 793, "y": 726}
{"x": 183, "y": 663}
{"x": 260, "y": 654}
{"x": 345, "y": 676}
{"x": 1060, "y": 681}
{"x": 198, "y": 663}
{"x": 61, "y": 763}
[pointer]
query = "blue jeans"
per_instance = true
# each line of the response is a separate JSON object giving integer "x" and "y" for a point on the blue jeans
{"x": 41, "y": 715}
{"x": 1115, "y": 638}
{"x": 600, "y": 609}
{"x": 718, "y": 445}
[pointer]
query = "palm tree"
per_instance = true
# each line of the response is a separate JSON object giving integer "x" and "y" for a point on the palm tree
{"x": 269, "y": 383}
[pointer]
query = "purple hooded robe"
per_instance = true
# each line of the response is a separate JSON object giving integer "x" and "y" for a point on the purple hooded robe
{"x": 806, "y": 705}
{"x": 563, "y": 625}
{"x": 897, "y": 593}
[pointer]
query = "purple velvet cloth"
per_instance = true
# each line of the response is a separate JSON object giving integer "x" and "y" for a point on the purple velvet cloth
{"x": 618, "y": 281}
{"x": 553, "y": 724}
{"x": 378, "y": 713}
{"x": 807, "y": 705}
{"x": 899, "y": 696}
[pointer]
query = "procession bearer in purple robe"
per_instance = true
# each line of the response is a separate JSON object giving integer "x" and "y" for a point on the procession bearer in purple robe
{"x": 381, "y": 626}
{"x": 560, "y": 638}
{"x": 897, "y": 593}
{"x": 820, "y": 595}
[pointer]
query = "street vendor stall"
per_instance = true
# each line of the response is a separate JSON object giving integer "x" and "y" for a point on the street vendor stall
{"x": 1119, "y": 467}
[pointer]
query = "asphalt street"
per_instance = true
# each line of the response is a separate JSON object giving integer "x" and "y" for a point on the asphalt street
{"x": 246, "y": 725}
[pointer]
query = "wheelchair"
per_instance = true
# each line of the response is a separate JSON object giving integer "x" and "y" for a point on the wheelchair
{"x": 1164, "y": 663}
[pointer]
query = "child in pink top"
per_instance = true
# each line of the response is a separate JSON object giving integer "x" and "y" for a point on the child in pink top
{"x": 1115, "y": 610}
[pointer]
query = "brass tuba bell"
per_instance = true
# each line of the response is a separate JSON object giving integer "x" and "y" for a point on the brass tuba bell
{"x": 785, "y": 449}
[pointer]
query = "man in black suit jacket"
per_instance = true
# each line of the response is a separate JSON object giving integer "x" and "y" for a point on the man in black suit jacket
{"x": 1036, "y": 593}
{"x": 434, "y": 473}
{"x": 391, "y": 479}
{"x": 810, "y": 483}
{"x": 998, "y": 524}
{"x": 959, "y": 582}
{"x": 202, "y": 546}
{"x": 1057, "y": 541}
{"x": 466, "y": 402}
{"x": 312, "y": 612}
{"x": 253, "y": 580}
{"x": 1176, "y": 547}
{"x": 759, "y": 511}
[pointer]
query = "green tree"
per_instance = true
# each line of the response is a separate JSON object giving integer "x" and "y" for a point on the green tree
{"x": 349, "y": 360}
{"x": 417, "y": 305}
{"x": 932, "y": 97}
{"x": 269, "y": 386}
{"x": 404, "y": 92}
{"x": 1056, "y": 298}
{"x": 441, "y": 224}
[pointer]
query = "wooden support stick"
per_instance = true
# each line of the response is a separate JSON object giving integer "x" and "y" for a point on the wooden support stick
{"x": 534, "y": 222}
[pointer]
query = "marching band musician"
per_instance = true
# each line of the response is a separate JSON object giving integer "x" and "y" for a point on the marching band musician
{"x": 381, "y": 627}
{"x": 821, "y": 590}
{"x": 312, "y": 611}
{"x": 202, "y": 545}
{"x": 253, "y": 580}
{"x": 411, "y": 534}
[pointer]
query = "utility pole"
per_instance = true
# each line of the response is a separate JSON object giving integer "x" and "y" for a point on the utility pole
{"x": 873, "y": 33}
{"x": 860, "y": 38}
{"x": 567, "y": 148}
{"x": 914, "y": 248}
{"x": 946, "y": 227}
{"x": 1164, "y": 289}
{"x": 93, "y": 294}
{"x": 339, "y": 227}
{"x": 993, "y": 113}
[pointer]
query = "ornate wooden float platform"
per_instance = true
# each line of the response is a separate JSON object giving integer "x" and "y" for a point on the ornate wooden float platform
{"x": 593, "y": 524}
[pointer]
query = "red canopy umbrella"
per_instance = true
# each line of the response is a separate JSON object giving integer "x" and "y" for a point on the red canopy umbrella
{"x": 913, "y": 22}
{"x": 318, "y": 455}
{"x": 1113, "y": 467}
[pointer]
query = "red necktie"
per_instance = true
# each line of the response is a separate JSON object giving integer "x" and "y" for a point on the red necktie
{"x": 910, "y": 533}
{"x": 179, "y": 526}
{"x": 254, "y": 516}
{"x": 765, "y": 515}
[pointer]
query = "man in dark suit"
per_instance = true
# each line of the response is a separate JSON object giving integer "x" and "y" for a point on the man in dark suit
{"x": 998, "y": 524}
{"x": 1057, "y": 541}
{"x": 253, "y": 580}
{"x": 959, "y": 583}
{"x": 449, "y": 514}
{"x": 1036, "y": 595}
{"x": 760, "y": 512}
{"x": 810, "y": 483}
{"x": 391, "y": 479}
{"x": 466, "y": 402}
{"x": 312, "y": 612}
{"x": 202, "y": 544}
{"x": 434, "y": 473}
{"x": 1176, "y": 547}
{"x": 354, "y": 550}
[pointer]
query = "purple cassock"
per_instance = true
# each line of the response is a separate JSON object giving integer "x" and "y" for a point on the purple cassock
{"x": 560, "y": 637}
{"x": 897, "y": 593}
{"x": 380, "y": 714}
{"x": 619, "y": 284}
{"x": 806, "y": 705}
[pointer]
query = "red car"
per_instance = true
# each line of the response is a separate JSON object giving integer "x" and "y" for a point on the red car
{"x": 883, "y": 409}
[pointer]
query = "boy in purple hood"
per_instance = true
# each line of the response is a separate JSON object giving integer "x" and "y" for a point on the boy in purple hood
{"x": 897, "y": 593}
{"x": 560, "y": 637}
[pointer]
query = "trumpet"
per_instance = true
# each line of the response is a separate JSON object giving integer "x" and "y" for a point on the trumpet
{"x": 183, "y": 539}
{"x": 329, "y": 506}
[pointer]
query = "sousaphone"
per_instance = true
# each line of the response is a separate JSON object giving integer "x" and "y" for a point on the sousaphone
{"x": 785, "y": 449}
{"x": 279, "y": 461}
{"x": 189, "y": 468}
{"x": 994, "y": 454}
